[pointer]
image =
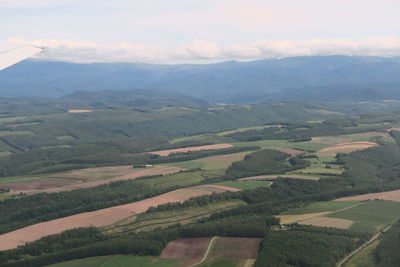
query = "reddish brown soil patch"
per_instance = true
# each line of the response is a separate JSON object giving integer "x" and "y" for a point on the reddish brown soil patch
{"x": 291, "y": 152}
{"x": 235, "y": 248}
{"x": 79, "y": 110}
{"x": 374, "y": 134}
{"x": 390, "y": 195}
{"x": 188, "y": 248}
{"x": 102, "y": 217}
{"x": 193, "y": 148}
{"x": 394, "y": 129}
{"x": 328, "y": 222}
{"x": 127, "y": 172}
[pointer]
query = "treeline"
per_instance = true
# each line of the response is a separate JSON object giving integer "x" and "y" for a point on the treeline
{"x": 127, "y": 151}
{"x": 306, "y": 246}
{"x": 169, "y": 121}
{"x": 305, "y": 131}
{"x": 28, "y": 210}
{"x": 374, "y": 166}
{"x": 265, "y": 162}
{"x": 386, "y": 253}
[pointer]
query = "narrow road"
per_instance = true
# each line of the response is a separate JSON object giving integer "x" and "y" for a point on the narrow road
{"x": 375, "y": 237}
{"x": 206, "y": 253}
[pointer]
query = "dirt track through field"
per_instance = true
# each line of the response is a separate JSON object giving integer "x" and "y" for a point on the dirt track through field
{"x": 193, "y": 249}
{"x": 103, "y": 217}
{"x": 129, "y": 173}
{"x": 193, "y": 148}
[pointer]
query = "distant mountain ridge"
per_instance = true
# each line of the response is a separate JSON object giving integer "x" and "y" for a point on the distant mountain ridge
{"x": 225, "y": 82}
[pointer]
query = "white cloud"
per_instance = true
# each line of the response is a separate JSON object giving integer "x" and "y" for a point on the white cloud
{"x": 200, "y": 51}
{"x": 29, "y": 3}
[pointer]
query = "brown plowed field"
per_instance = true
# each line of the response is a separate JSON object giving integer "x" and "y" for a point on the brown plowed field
{"x": 344, "y": 147}
{"x": 235, "y": 248}
{"x": 193, "y": 148}
{"x": 390, "y": 195}
{"x": 328, "y": 222}
{"x": 102, "y": 217}
{"x": 188, "y": 248}
{"x": 291, "y": 152}
{"x": 93, "y": 177}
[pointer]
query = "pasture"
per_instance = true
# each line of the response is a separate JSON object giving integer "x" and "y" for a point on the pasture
{"x": 149, "y": 221}
{"x": 367, "y": 216}
{"x": 372, "y": 216}
{"x": 324, "y": 206}
{"x": 121, "y": 261}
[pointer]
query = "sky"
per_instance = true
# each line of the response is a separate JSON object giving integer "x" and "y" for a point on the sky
{"x": 197, "y": 31}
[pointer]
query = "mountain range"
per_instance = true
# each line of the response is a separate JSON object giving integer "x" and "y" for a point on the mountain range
{"x": 293, "y": 79}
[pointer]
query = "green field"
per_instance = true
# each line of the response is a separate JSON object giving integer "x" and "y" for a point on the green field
{"x": 245, "y": 185}
{"x": 321, "y": 207}
{"x": 4, "y": 133}
{"x": 209, "y": 163}
{"x": 364, "y": 258}
{"x": 273, "y": 144}
{"x": 224, "y": 263}
{"x": 372, "y": 216}
{"x": 120, "y": 261}
{"x": 151, "y": 220}
{"x": 178, "y": 179}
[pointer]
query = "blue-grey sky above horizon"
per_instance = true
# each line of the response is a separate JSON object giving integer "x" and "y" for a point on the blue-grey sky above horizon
{"x": 160, "y": 31}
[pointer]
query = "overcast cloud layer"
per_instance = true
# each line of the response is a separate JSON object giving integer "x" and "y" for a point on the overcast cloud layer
{"x": 175, "y": 31}
{"x": 202, "y": 51}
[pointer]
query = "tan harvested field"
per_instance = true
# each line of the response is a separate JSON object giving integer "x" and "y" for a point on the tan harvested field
{"x": 291, "y": 152}
{"x": 328, "y": 222}
{"x": 93, "y": 176}
{"x": 394, "y": 129}
{"x": 79, "y": 110}
{"x": 188, "y": 248}
{"x": 103, "y": 217}
{"x": 344, "y": 148}
{"x": 390, "y": 195}
{"x": 374, "y": 134}
{"x": 266, "y": 177}
{"x": 193, "y": 148}
{"x": 288, "y": 219}
{"x": 235, "y": 248}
